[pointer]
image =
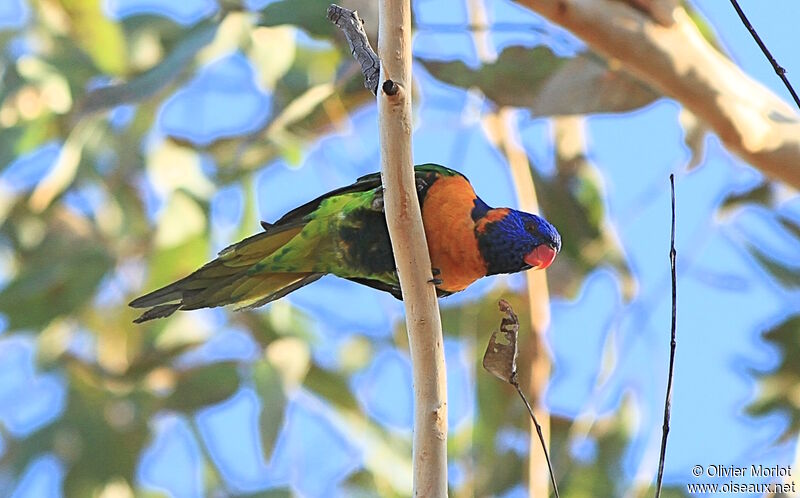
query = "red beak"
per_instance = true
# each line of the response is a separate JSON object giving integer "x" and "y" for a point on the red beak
{"x": 541, "y": 257}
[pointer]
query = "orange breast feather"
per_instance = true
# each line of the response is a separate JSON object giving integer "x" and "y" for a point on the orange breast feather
{"x": 450, "y": 231}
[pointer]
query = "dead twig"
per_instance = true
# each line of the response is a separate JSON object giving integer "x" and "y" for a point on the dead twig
{"x": 353, "y": 28}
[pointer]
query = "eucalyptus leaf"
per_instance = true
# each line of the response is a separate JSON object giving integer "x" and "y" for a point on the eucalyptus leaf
{"x": 305, "y": 14}
{"x": 331, "y": 385}
{"x": 788, "y": 276}
{"x": 270, "y": 493}
{"x": 763, "y": 193}
{"x": 269, "y": 388}
{"x": 502, "y": 81}
{"x": 585, "y": 84}
{"x": 203, "y": 386}
{"x": 549, "y": 84}
{"x": 790, "y": 225}
{"x": 778, "y": 385}
{"x": 573, "y": 200}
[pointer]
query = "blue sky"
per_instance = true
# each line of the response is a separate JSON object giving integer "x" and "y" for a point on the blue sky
{"x": 725, "y": 298}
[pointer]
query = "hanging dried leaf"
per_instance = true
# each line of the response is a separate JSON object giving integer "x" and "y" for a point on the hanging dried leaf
{"x": 501, "y": 354}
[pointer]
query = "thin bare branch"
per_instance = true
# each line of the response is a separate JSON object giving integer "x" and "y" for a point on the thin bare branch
{"x": 672, "y": 344}
{"x": 779, "y": 70}
{"x": 353, "y": 28}
{"x": 515, "y": 383}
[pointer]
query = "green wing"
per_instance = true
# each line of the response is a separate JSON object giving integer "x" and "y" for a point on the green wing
{"x": 427, "y": 173}
{"x": 342, "y": 232}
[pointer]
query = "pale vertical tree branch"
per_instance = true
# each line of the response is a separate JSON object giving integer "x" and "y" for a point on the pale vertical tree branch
{"x": 502, "y": 130}
{"x": 409, "y": 244}
{"x": 481, "y": 36}
{"x": 675, "y": 59}
{"x": 404, "y": 220}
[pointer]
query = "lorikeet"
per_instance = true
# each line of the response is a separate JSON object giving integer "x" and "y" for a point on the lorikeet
{"x": 344, "y": 233}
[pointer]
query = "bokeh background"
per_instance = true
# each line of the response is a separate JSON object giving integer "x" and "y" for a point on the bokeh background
{"x": 139, "y": 137}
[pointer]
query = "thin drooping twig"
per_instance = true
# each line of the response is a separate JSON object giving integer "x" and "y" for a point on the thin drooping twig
{"x": 672, "y": 344}
{"x": 515, "y": 383}
{"x": 407, "y": 234}
{"x": 353, "y": 28}
{"x": 500, "y": 359}
{"x": 779, "y": 70}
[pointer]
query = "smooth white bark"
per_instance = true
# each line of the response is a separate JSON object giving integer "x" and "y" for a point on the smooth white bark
{"x": 404, "y": 218}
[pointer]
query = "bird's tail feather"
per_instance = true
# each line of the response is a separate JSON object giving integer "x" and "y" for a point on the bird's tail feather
{"x": 228, "y": 280}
